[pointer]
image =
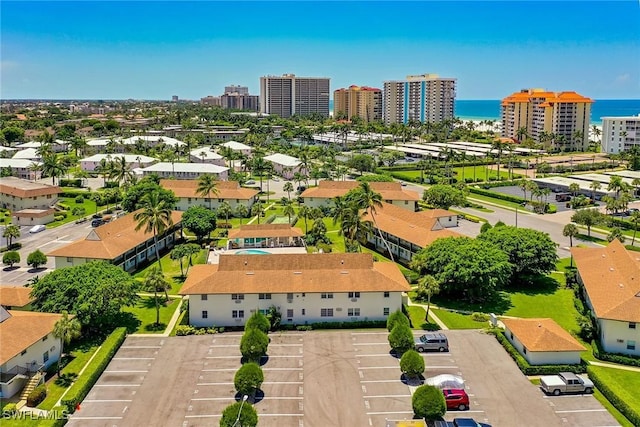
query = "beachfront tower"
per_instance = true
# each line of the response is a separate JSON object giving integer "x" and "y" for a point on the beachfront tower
{"x": 288, "y": 94}
{"x": 557, "y": 120}
{"x": 620, "y": 133}
{"x": 424, "y": 98}
{"x": 358, "y": 101}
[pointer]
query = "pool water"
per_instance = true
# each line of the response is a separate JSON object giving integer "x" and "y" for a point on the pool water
{"x": 251, "y": 252}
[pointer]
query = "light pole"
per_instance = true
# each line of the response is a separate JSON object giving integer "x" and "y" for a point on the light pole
{"x": 244, "y": 399}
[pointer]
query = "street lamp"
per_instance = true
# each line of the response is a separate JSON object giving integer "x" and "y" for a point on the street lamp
{"x": 244, "y": 399}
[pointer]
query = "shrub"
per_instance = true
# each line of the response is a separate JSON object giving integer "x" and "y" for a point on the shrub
{"x": 412, "y": 364}
{"x": 248, "y": 379}
{"x": 397, "y": 317}
{"x": 428, "y": 402}
{"x": 77, "y": 182}
{"x": 248, "y": 416}
{"x": 303, "y": 328}
{"x": 10, "y": 258}
{"x": 36, "y": 258}
{"x": 622, "y": 406}
{"x": 587, "y": 330}
{"x": 480, "y": 317}
{"x": 58, "y": 217}
{"x": 253, "y": 345}
{"x": 623, "y": 359}
{"x": 495, "y": 195}
{"x": 183, "y": 330}
{"x": 78, "y": 212}
{"x": 401, "y": 338}
{"x": 10, "y": 409}
{"x": 258, "y": 321}
{"x": 324, "y": 247}
{"x": 94, "y": 369}
{"x": 36, "y": 396}
{"x": 356, "y": 324}
{"x": 485, "y": 227}
{"x": 79, "y": 199}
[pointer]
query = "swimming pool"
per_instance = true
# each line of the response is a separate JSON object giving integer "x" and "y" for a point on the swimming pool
{"x": 251, "y": 252}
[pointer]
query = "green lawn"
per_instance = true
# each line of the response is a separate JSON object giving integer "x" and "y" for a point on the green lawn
{"x": 495, "y": 201}
{"x": 171, "y": 270}
{"x": 457, "y": 320}
{"x": 624, "y": 383}
{"x": 70, "y": 202}
{"x": 143, "y": 315}
{"x": 416, "y": 314}
{"x": 480, "y": 173}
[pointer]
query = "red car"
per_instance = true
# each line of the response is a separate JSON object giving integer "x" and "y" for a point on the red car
{"x": 456, "y": 398}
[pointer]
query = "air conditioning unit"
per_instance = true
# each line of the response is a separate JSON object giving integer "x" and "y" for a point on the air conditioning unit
{"x": 354, "y": 299}
{"x": 238, "y": 301}
{"x": 619, "y": 340}
{"x": 289, "y": 301}
{"x": 339, "y": 309}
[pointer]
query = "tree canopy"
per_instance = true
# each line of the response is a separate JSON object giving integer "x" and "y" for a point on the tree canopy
{"x": 94, "y": 292}
{"x": 362, "y": 163}
{"x": 588, "y": 218}
{"x": 199, "y": 220}
{"x": 428, "y": 402}
{"x": 133, "y": 197}
{"x": 444, "y": 196}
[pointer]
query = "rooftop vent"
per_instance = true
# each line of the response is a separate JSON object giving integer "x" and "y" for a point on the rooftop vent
{"x": 297, "y": 272}
{"x": 344, "y": 272}
{"x": 610, "y": 268}
{"x": 249, "y": 273}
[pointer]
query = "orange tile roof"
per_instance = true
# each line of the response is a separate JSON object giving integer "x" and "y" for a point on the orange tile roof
{"x": 284, "y": 273}
{"x": 542, "y": 335}
{"x": 264, "y": 230}
{"x": 22, "y": 329}
{"x": 611, "y": 277}
{"x": 22, "y": 188}
{"x": 388, "y": 190}
{"x": 110, "y": 240}
{"x": 15, "y": 296}
{"x": 419, "y": 228}
{"x": 226, "y": 189}
{"x": 549, "y": 97}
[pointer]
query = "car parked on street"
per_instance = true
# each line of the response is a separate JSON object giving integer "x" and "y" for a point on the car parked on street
{"x": 456, "y": 398}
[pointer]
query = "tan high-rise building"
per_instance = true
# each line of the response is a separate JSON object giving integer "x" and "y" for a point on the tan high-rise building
{"x": 287, "y": 95}
{"x": 558, "y": 120}
{"x": 358, "y": 101}
{"x": 423, "y": 98}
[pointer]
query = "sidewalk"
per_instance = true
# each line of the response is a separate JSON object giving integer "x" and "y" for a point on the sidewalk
{"x": 431, "y": 313}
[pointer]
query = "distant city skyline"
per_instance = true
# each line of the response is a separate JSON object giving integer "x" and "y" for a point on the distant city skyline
{"x": 154, "y": 50}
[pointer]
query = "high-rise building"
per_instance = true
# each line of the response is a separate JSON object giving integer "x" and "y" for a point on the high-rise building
{"x": 240, "y": 90}
{"x": 358, "y": 101}
{"x": 211, "y": 100}
{"x": 424, "y": 98}
{"x": 620, "y": 133}
{"x": 287, "y": 95}
{"x": 235, "y": 101}
{"x": 557, "y": 120}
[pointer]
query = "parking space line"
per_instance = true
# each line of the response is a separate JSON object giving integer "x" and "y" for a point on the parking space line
{"x": 369, "y": 333}
{"x": 118, "y": 385}
{"x": 223, "y": 346}
{"x": 216, "y": 383}
{"x": 378, "y": 367}
{"x": 281, "y": 415}
{"x": 282, "y": 382}
{"x": 285, "y": 345}
{"x": 287, "y": 356}
{"x": 203, "y": 416}
{"x": 371, "y": 343}
{"x": 390, "y": 413}
{"x": 141, "y": 346}
{"x": 95, "y": 418}
{"x": 214, "y": 398}
{"x": 581, "y": 410}
{"x": 282, "y": 369}
{"x": 379, "y": 381}
{"x": 386, "y": 395}
{"x": 125, "y": 372}
{"x": 441, "y": 366}
{"x": 223, "y": 357}
{"x": 373, "y": 355}
{"x": 546, "y": 396}
{"x": 107, "y": 400}
{"x": 221, "y": 370}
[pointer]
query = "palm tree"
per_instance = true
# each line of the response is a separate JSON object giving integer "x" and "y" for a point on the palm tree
{"x": 256, "y": 210}
{"x": 635, "y": 219}
{"x": 11, "y": 232}
{"x": 155, "y": 281}
{"x": 429, "y": 285}
{"x": 120, "y": 171}
{"x": 53, "y": 166}
{"x": 594, "y": 186}
{"x": 570, "y": 231}
{"x": 369, "y": 200}
{"x": 242, "y": 211}
{"x": 66, "y": 329}
{"x": 207, "y": 185}
{"x": 305, "y": 213}
{"x": 522, "y": 134}
{"x": 288, "y": 210}
{"x": 288, "y": 187}
{"x": 154, "y": 217}
{"x": 498, "y": 146}
{"x": 616, "y": 184}
{"x": 224, "y": 209}
{"x": 635, "y": 183}
{"x": 574, "y": 188}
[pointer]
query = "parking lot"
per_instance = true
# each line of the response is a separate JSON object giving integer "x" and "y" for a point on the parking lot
{"x": 317, "y": 378}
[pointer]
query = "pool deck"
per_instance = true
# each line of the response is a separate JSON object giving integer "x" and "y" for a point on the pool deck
{"x": 214, "y": 255}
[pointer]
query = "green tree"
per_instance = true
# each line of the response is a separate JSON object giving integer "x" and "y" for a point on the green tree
{"x": 66, "y": 329}
{"x": 257, "y": 210}
{"x": 11, "y": 257}
{"x": 258, "y": 321}
{"x": 288, "y": 210}
{"x": 401, "y": 338}
{"x": 36, "y": 258}
{"x": 224, "y": 210}
{"x": 207, "y": 185}
{"x": 428, "y": 286}
{"x": 412, "y": 364}
{"x": 242, "y": 211}
{"x": 200, "y": 221}
{"x": 588, "y": 218}
{"x": 95, "y": 292}
{"x": 531, "y": 252}
{"x": 154, "y": 217}
{"x": 13, "y": 134}
{"x": 635, "y": 220}
{"x": 428, "y": 402}
{"x": 53, "y": 166}
{"x": 248, "y": 379}
{"x": 187, "y": 250}
{"x": 253, "y": 345}
{"x": 288, "y": 187}
{"x": 132, "y": 200}
{"x": 444, "y": 196}
{"x": 364, "y": 197}
{"x": 239, "y": 414}
{"x": 155, "y": 281}
{"x": 362, "y": 163}
{"x": 574, "y": 188}
{"x": 395, "y": 318}
{"x": 616, "y": 233}
{"x": 305, "y": 214}
{"x": 570, "y": 231}
{"x": 11, "y": 232}
{"x": 485, "y": 227}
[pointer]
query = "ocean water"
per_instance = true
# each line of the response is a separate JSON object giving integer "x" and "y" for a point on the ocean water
{"x": 489, "y": 109}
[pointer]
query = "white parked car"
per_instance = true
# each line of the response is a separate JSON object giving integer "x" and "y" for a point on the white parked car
{"x": 445, "y": 381}
{"x": 37, "y": 228}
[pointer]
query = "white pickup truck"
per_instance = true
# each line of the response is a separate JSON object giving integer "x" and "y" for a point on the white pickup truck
{"x": 565, "y": 382}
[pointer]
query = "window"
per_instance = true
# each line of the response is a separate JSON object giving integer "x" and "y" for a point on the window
{"x": 524, "y": 349}
{"x": 205, "y": 314}
{"x": 23, "y": 352}
{"x": 45, "y": 337}
{"x": 631, "y": 345}
{"x": 326, "y": 312}
{"x": 353, "y": 312}
{"x": 45, "y": 356}
{"x": 386, "y": 294}
{"x": 69, "y": 259}
{"x": 237, "y": 314}
{"x": 203, "y": 297}
{"x": 237, "y": 297}
{"x": 264, "y": 296}
{"x": 289, "y": 296}
{"x": 289, "y": 312}
{"x": 304, "y": 312}
{"x": 385, "y": 311}
{"x": 325, "y": 295}
{"x": 354, "y": 294}
{"x": 632, "y": 325}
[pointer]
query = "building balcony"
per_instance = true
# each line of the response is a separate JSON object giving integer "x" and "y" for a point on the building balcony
{"x": 19, "y": 372}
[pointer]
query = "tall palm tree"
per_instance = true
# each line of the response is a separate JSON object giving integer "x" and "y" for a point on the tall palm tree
{"x": 257, "y": 210}
{"x": 225, "y": 210}
{"x": 594, "y": 186}
{"x": 207, "y": 185}
{"x": 154, "y": 217}
{"x": 635, "y": 220}
{"x": 429, "y": 285}
{"x": 305, "y": 214}
{"x": 11, "y": 232}
{"x": 570, "y": 231}
{"x": 242, "y": 211}
{"x": 369, "y": 200}
{"x": 120, "y": 170}
{"x": 288, "y": 187}
{"x": 288, "y": 210}
{"x": 66, "y": 329}
{"x": 53, "y": 166}
{"x": 155, "y": 281}
{"x": 616, "y": 184}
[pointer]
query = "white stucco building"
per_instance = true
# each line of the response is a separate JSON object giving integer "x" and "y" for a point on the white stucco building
{"x": 241, "y": 148}
{"x": 286, "y": 166}
{"x": 305, "y": 288}
{"x": 17, "y": 194}
{"x": 186, "y": 170}
{"x": 151, "y": 141}
{"x": 206, "y": 155}
{"x": 391, "y": 192}
{"x": 610, "y": 277}
{"x": 22, "y": 168}
{"x": 620, "y": 133}
{"x": 543, "y": 341}
{"x": 27, "y": 154}
{"x": 89, "y": 164}
{"x": 228, "y": 191}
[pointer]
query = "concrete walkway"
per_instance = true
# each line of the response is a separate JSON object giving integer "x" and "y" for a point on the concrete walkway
{"x": 435, "y": 318}
{"x": 615, "y": 366}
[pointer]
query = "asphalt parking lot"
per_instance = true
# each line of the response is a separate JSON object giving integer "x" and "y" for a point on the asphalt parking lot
{"x": 316, "y": 379}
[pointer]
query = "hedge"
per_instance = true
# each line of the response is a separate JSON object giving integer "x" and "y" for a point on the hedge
{"x": 528, "y": 369}
{"x": 75, "y": 193}
{"x": 622, "y": 406}
{"x": 36, "y": 396}
{"x": 350, "y": 325}
{"x": 81, "y": 387}
{"x": 622, "y": 359}
{"x": 77, "y": 182}
{"x": 500, "y": 196}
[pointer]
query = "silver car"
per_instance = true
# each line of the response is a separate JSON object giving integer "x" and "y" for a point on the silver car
{"x": 432, "y": 341}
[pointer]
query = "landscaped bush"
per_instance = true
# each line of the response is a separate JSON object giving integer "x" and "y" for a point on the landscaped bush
{"x": 36, "y": 396}
{"x": 324, "y": 247}
{"x": 79, "y": 199}
{"x": 401, "y": 338}
{"x": 612, "y": 397}
{"x": 58, "y": 217}
{"x": 480, "y": 317}
{"x": 184, "y": 330}
{"x": 11, "y": 257}
{"x": 74, "y": 193}
{"x": 248, "y": 379}
{"x": 77, "y": 182}
{"x": 397, "y": 317}
{"x": 412, "y": 364}
{"x": 528, "y": 369}
{"x": 258, "y": 321}
{"x": 357, "y": 324}
{"x": 253, "y": 345}
{"x": 78, "y": 212}
{"x": 94, "y": 369}
{"x": 9, "y": 409}
{"x": 248, "y": 415}
{"x": 428, "y": 402}
{"x": 496, "y": 195}
{"x": 623, "y": 359}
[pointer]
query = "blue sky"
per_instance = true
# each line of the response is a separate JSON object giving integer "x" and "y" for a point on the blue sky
{"x": 152, "y": 50}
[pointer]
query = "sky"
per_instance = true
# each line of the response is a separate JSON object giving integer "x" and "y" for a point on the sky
{"x": 153, "y": 50}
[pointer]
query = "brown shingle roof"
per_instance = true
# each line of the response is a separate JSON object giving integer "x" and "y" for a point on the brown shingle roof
{"x": 419, "y": 228}
{"x": 226, "y": 189}
{"x": 611, "y": 277}
{"x": 23, "y": 329}
{"x": 388, "y": 190}
{"x": 284, "y": 273}
{"x": 15, "y": 296}
{"x": 110, "y": 240}
{"x": 22, "y": 188}
{"x": 264, "y": 230}
{"x": 542, "y": 335}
